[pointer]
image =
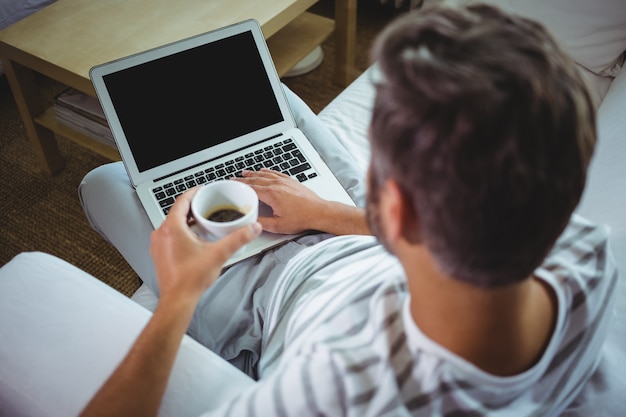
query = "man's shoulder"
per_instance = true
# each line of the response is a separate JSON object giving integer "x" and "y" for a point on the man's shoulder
{"x": 581, "y": 244}
{"x": 583, "y": 274}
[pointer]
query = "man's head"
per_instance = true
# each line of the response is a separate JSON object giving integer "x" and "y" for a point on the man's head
{"x": 486, "y": 128}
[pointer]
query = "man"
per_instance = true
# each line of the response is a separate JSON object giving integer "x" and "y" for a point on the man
{"x": 489, "y": 298}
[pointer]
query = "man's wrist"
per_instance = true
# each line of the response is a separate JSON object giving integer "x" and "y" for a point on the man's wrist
{"x": 340, "y": 219}
{"x": 178, "y": 305}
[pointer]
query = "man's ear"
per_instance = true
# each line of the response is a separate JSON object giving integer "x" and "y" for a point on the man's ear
{"x": 401, "y": 218}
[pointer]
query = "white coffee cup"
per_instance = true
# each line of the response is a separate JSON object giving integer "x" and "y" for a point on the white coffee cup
{"x": 218, "y": 198}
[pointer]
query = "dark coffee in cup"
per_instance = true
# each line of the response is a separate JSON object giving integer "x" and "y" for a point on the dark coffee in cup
{"x": 224, "y": 214}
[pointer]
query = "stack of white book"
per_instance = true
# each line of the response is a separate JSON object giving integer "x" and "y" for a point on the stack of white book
{"x": 84, "y": 114}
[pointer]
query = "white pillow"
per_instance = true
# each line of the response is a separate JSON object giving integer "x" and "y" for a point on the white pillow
{"x": 593, "y": 31}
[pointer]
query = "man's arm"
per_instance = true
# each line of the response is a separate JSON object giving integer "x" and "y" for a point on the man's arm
{"x": 185, "y": 266}
{"x": 296, "y": 208}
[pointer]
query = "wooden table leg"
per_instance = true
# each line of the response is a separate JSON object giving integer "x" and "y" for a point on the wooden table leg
{"x": 30, "y": 104}
{"x": 345, "y": 41}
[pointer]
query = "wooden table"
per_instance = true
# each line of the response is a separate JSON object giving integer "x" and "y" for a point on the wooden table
{"x": 66, "y": 39}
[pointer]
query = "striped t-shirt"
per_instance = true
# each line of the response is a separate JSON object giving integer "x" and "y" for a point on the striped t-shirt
{"x": 339, "y": 340}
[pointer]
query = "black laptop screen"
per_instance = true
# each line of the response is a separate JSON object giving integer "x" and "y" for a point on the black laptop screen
{"x": 186, "y": 102}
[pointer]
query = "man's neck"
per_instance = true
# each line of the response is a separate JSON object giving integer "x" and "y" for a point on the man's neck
{"x": 503, "y": 331}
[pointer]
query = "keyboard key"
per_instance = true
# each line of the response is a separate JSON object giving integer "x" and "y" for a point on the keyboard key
{"x": 299, "y": 155}
{"x": 160, "y": 195}
{"x": 299, "y": 169}
{"x": 167, "y": 202}
{"x": 283, "y": 156}
{"x": 157, "y": 189}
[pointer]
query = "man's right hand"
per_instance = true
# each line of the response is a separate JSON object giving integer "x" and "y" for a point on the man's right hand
{"x": 296, "y": 208}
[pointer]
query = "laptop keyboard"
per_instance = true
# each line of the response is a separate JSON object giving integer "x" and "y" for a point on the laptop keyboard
{"x": 284, "y": 156}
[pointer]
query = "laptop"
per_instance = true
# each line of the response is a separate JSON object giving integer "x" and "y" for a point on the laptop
{"x": 203, "y": 109}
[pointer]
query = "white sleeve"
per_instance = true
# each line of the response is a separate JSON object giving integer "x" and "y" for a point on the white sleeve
{"x": 308, "y": 385}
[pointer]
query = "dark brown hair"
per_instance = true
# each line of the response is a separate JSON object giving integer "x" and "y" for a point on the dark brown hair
{"x": 485, "y": 123}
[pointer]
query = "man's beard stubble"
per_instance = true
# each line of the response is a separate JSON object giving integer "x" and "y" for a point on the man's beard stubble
{"x": 372, "y": 209}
